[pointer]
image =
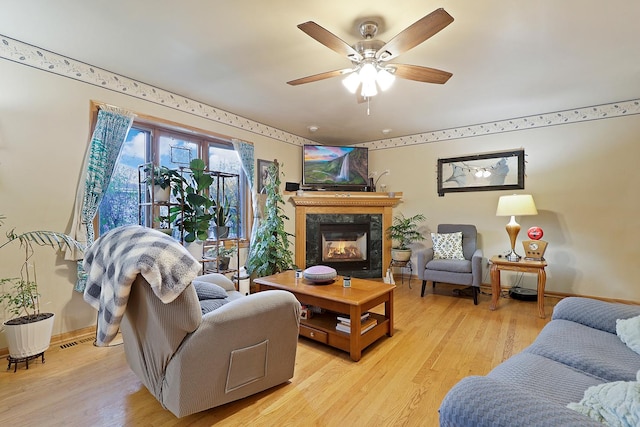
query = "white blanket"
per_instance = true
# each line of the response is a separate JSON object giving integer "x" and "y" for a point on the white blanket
{"x": 113, "y": 262}
{"x": 613, "y": 404}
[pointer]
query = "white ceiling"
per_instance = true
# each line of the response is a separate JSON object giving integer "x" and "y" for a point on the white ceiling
{"x": 509, "y": 59}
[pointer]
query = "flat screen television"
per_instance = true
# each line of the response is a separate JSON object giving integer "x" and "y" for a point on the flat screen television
{"x": 326, "y": 166}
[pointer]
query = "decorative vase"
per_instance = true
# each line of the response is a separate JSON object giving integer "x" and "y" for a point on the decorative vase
{"x": 28, "y": 338}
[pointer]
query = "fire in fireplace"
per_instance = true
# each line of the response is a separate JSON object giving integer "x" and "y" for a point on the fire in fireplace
{"x": 345, "y": 245}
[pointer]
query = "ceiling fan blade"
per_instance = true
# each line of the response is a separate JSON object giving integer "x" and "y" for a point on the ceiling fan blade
{"x": 320, "y": 76}
{"x": 415, "y": 34}
{"x": 421, "y": 74}
{"x": 330, "y": 40}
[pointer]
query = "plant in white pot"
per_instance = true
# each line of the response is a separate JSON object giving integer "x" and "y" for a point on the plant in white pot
{"x": 28, "y": 333}
{"x": 160, "y": 181}
{"x": 403, "y": 232}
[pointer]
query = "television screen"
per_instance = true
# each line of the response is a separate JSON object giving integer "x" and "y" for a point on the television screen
{"x": 335, "y": 165}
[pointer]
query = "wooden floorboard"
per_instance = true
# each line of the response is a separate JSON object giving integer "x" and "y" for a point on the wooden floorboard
{"x": 400, "y": 380}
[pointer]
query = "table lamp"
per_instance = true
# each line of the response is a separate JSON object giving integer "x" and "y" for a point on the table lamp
{"x": 514, "y": 205}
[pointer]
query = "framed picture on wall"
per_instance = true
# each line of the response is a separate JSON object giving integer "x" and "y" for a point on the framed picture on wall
{"x": 262, "y": 173}
{"x": 481, "y": 172}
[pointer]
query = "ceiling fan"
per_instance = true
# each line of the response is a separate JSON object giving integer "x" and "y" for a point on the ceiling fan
{"x": 370, "y": 56}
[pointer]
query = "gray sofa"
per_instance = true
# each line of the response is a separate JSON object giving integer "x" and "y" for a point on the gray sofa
{"x": 578, "y": 349}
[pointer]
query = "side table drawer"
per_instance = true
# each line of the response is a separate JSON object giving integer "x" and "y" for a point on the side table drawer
{"x": 313, "y": 334}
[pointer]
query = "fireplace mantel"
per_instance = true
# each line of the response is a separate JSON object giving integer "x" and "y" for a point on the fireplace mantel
{"x": 322, "y": 202}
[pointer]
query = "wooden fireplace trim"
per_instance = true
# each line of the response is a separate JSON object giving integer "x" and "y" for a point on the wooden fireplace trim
{"x": 345, "y": 203}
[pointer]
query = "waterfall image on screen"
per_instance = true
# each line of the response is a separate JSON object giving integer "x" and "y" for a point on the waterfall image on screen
{"x": 344, "y": 169}
{"x": 335, "y": 165}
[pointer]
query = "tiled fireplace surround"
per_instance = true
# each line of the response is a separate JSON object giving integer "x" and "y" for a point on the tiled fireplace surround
{"x": 315, "y": 208}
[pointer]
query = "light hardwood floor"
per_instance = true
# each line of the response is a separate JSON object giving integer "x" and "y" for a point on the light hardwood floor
{"x": 399, "y": 381}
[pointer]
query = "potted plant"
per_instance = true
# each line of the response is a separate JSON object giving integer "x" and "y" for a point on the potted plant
{"x": 222, "y": 216}
{"x": 269, "y": 252}
{"x": 403, "y": 232}
{"x": 222, "y": 254}
{"x": 195, "y": 211}
{"x": 160, "y": 181}
{"x": 28, "y": 333}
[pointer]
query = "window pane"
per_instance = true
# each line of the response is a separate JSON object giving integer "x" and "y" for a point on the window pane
{"x": 120, "y": 203}
{"x": 175, "y": 152}
{"x": 225, "y": 159}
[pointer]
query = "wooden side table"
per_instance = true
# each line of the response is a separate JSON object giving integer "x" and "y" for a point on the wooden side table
{"x": 522, "y": 266}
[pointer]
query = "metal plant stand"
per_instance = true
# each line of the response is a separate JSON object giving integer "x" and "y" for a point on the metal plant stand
{"x": 402, "y": 265}
{"x": 16, "y": 360}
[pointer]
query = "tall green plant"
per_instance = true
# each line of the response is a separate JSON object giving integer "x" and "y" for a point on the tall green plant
{"x": 270, "y": 253}
{"x": 196, "y": 209}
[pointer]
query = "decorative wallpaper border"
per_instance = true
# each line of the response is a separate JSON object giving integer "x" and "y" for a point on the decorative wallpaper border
{"x": 597, "y": 112}
{"x": 22, "y": 53}
{"x": 26, "y": 54}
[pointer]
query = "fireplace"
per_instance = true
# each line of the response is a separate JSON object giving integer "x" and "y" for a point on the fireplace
{"x": 350, "y": 243}
{"x": 344, "y": 246}
{"x": 364, "y": 216}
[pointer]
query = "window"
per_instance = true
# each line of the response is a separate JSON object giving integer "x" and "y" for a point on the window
{"x": 164, "y": 147}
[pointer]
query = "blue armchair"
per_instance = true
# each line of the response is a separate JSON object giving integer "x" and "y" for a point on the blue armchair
{"x": 453, "y": 271}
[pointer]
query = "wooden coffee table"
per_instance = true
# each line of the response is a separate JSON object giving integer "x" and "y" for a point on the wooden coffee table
{"x": 335, "y": 299}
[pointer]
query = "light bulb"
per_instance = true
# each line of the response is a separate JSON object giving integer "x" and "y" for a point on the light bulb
{"x": 351, "y": 82}
{"x": 478, "y": 173}
{"x": 385, "y": 79}
{"x": 369, "y": 89}
{"x": 486, "y": 174}
{"x": 368, "y": 73}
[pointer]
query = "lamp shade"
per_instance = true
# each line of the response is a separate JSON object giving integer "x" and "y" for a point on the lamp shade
{"x": 516, "y": 205}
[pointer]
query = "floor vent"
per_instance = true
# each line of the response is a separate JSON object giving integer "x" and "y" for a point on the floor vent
{"x": 90, "y": 339}
{"x": 69, "y": 344}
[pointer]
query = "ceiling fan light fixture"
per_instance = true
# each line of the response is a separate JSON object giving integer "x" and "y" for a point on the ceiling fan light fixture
{"x": 369, "y": 89}
{"x": 351, "y": 82}
{"x": 368, "y": 74}
{"x": 385, "y": 79}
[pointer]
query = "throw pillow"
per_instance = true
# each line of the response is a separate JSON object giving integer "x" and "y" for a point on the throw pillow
{"x": 207, "y": 290}
{"x": 614, "y": 404}
{"x": 210, "y": 305}
{"x": 447, "y": 245}
{"x": 628, "y": 330}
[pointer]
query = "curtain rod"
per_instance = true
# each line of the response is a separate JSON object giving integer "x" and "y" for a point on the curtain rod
{"x": 115, "y": 109}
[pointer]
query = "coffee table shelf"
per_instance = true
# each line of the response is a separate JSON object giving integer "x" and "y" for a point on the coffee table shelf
{"x": 362, "y": 296}
{"x": 322, "y": 328}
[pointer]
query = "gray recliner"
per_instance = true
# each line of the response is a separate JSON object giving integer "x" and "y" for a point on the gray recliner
{"x": 452, "y": 271}
{"x": 192, "y": 362}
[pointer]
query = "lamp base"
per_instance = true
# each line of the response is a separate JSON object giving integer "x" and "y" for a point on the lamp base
{"x": 513, "y": 256}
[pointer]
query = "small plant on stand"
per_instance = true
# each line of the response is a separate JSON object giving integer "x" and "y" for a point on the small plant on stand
{"x": 161, "y": 180}
{"x": 20, "y": 296}
{"x": 403, "y": 232}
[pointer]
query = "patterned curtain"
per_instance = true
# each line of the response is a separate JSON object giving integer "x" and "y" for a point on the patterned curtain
{"x": 109, "y": 134}
{"x": 245, "y": 151}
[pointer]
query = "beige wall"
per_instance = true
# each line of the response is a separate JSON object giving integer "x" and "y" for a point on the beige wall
{"x": 584, "y": 178}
